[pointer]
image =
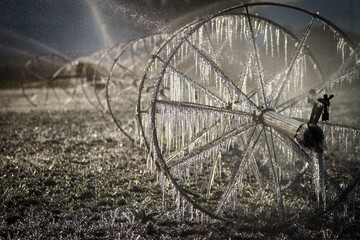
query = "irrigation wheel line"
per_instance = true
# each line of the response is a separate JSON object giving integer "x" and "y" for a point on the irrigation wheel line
{"x": 42, "y": 83}
{"x": 192, "y": 121}
{"x": 123, "y": 81}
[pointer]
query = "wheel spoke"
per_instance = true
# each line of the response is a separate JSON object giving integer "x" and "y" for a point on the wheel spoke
{"x": 345, "y": 71}
{"x": 134, "y": 63}
{"x": 131, "y": 72}
{"x": 88, "y": 98}
{"x": 273, "y": 164}
{"x": 55, "y": 94}
{"x": 47, "y": 95}
{"x": 193, "y": 141}
{"x": 254, "y": 165}
{"x": 276, "y": 77}
{"x": 214, "y": 144}
{"x": 239, "y": 170}
{"x": 201, "y": 107}
{"x": 212, "y": 175}
{"x": 292, "y": 62}
{"x": 220, "y": 49}
{"x": 224, "y": 77}
{"x": 193, "y": 84}
{"x": 321, "y": 87}
{"x": 255, "y": 52}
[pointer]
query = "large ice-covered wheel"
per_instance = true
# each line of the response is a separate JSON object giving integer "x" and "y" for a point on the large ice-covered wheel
{"x": 42, "y": 84}
{"x": 233, "y": 93}
{"x": 123, "y": 81}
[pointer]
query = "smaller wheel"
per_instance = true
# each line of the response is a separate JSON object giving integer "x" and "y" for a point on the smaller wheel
{"x": 87, "y": 72}
{"x": 42, "y": 85}
{"x": 102, "y": 70}
{"x": 124, "y": 78}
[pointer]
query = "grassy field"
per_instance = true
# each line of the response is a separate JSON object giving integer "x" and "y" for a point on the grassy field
{"x": 68, "y": 173}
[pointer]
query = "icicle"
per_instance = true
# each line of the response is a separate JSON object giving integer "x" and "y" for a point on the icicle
{"x": 236, "y": 26}
{"x": 218, "y": 29}
{"x": 244, "y": 28}
{"x": 212, "y": 25}
{"x": 200, "y": 33}
{"x": 341, "y": 48}
{"x": 266, "y": 39}
{"x": 277, "y": 33}
{"x": 229, "y": 28}
{"x": 285, "y": 48}
{"x": 318, "y": 177}
{"x": 271, "y": 42}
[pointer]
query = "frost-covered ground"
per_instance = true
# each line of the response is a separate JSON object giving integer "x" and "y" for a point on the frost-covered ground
{"x": 67, "y": 173}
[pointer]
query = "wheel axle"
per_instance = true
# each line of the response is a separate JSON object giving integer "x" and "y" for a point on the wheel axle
{"x": 309, "y": 135}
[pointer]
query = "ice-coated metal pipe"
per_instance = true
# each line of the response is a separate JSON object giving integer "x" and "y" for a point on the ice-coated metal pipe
{"x": 307, "y": 134}
{"x": 280, "y": 122}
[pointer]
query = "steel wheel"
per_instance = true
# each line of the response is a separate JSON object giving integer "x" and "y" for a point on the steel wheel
{"x": 123, "y": 81}
{"x": 94, "y": 75}
{"x": 215, "y": 81}
{"x": 43, "y": 86}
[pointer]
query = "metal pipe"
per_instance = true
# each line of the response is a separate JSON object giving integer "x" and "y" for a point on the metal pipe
{"x": 280, "y": 122}
{"x": 309, "y": 135}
